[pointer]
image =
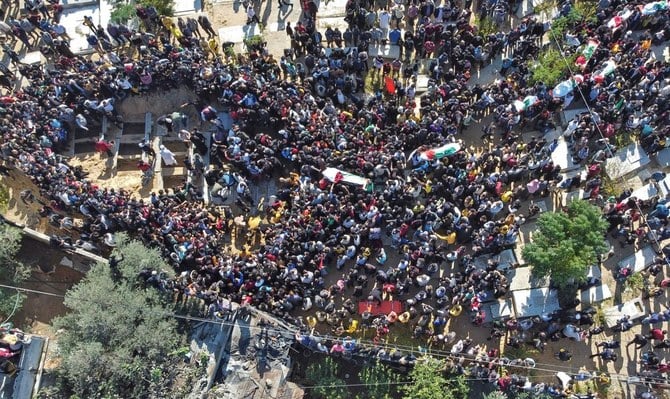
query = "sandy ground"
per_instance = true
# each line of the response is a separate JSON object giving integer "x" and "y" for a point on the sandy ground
{"x": 25, "y": 214}
{"x": 99, "y": 174}
{"x": 38, "y": 310}
{"x": 126, "y": 174}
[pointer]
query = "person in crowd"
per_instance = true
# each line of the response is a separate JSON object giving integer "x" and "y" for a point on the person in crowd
{"x": 398, "y": 234}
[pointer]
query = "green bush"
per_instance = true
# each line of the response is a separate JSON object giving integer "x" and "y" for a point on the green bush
{"x": 12, "y": 270}
{"x": 123, "y": 13}
{"x": 380, "y": 380}
{"x": 124, "y": 10}
{"x": 635, "y": 282}
{"x": 254, "y": 42}
{"x": 581, "y": 12}
{"x": 229, "y": 52}
{"x": 326, "y": 384}
{"x": 4, "y": 199}
{"x": 485, "y": 26}
{"x": 551, "y": 67}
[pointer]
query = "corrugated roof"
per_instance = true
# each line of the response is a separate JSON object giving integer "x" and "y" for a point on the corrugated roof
{"x": 20, "y": 384}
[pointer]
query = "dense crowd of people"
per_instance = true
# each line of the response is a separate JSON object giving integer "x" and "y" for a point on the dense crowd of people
{"x": 413, "y": 232}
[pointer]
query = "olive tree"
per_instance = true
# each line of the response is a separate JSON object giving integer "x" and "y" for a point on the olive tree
{"x": 12, "y": 271}
{"x": 118, "y": 338}
{"x": 430, "y": 382}
{"x": 567, "y": 243}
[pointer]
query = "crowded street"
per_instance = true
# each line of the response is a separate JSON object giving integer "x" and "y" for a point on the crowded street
{"x": 371, "y": 177}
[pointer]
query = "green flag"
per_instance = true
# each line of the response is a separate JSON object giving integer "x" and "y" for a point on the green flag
{"x": 590, "y": 48}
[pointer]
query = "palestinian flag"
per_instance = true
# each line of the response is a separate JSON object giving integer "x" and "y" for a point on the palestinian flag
{"x": 608, "y": 68}
{"x": 527, "y": 102}
{"x": 653, "y": 8}
{"x": 590, "y": 49}
{"x": 440, "y": 152}
{"x": 339, "y": 176}
{"x": 618, "y": 20}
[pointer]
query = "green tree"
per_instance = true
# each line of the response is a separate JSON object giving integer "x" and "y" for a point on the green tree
{"x": 255, "y": 42}
{"x": 12, "y": 271}
{"x": 551, "y": 67}
{"x": 581, "y": 13}
{"x": 124, "y": 10}
{"x": 429, "y": 382}
{"x": 380, "y": 381}
{"x": 495, "y": 395}
{"x": 325, "y": 382}
{"x": 118, "y": 339}
{"x": 486, "y": 26}
{"x": 4, "y": 198}
{"x": 135, "y": 257}
{"x": 567, "y": 243}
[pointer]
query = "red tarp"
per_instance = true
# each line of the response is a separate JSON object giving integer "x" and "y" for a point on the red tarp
{"x": 384, "y": 308}
{"x": 389, "y": 84}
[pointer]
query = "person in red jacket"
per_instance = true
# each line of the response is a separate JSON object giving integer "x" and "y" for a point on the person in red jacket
{"x": 104, "y": 146}
{"x": 143, "y": 166}
{"x": 657, "y": 334}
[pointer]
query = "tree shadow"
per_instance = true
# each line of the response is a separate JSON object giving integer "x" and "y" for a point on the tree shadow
{"x": 266, "y": 12}
{"x": 250, "y": 30}
{"x": 25, "y": 212}
{"x": 108, "y": 172}
{"x": 281, "y": 19}
{"x": 146, "y": 189}
{"x": 618, "y": 364}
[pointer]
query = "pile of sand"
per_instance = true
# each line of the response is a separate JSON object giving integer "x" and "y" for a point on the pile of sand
{"x": 100, "y": 174}
{"x": 26, "y": 214}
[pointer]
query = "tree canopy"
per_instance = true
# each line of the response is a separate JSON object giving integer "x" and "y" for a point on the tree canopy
{"x": 382, "y": 382}
{"x": 550, "y": 67}
{"x": 12, "y": 271}
{"x": 330, "y": 379}
{"x": 124, "y": 10}
{"x": 429, "y": 382}
{"x": 118, "y": 339}
{"x": 135, "y": 257}
{"x": 324, "y": 375}
{"x": 567, "y": 243}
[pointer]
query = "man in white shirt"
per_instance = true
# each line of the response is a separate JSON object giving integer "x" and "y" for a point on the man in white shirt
{"x": 398, "y": 13}
{"x": 251, "y": 15}
{"x": 168, "y": 156}
{"x": 384, "y": 22}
